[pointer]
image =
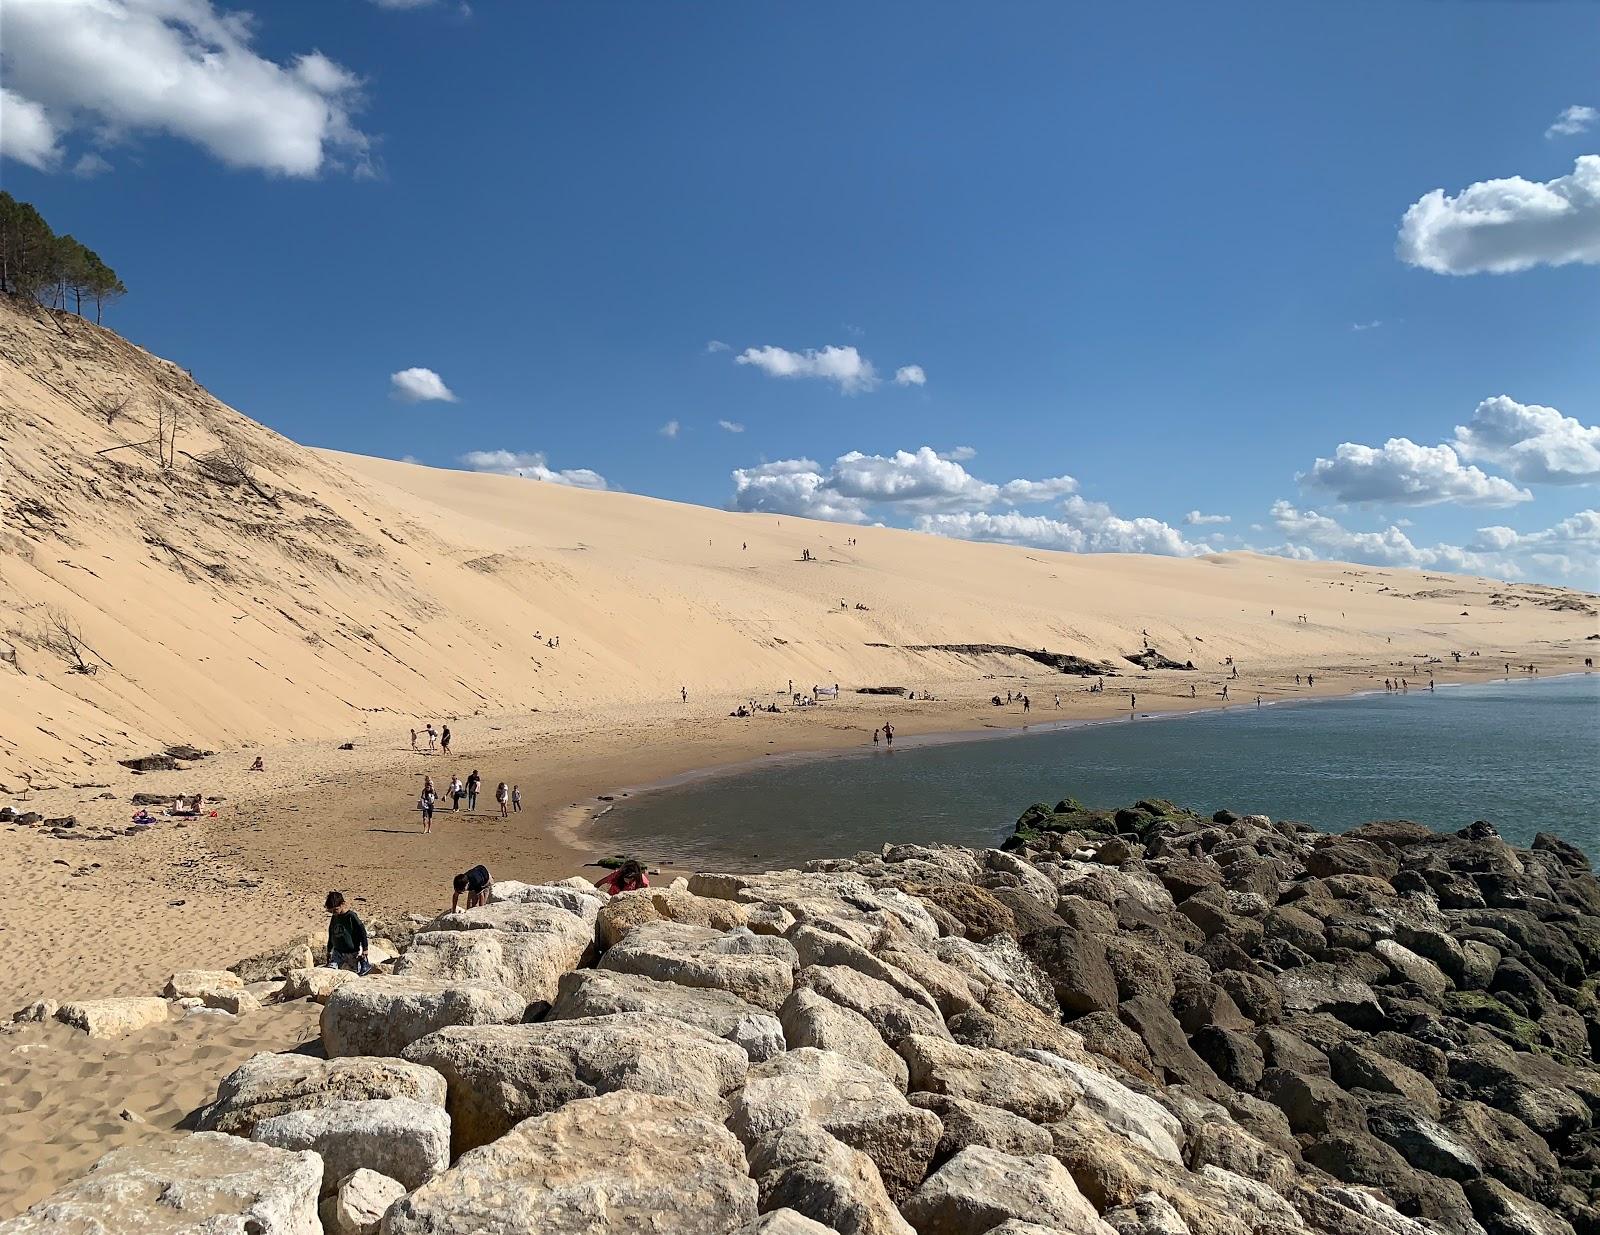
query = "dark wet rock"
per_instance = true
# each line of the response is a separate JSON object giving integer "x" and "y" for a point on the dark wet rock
{"x": 1075, "y": 962}
{"x": 1361, "y": 1067}
{"x": 1425, "y": 1143}
{"x": 151, "y": 763}
{"x": 1314, "y": 1105}
{"x": 1231, "y": 1055}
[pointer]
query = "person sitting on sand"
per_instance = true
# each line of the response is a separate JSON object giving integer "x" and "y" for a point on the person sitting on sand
{"x": 258, "y": 766}
{"x": 629, "y": 877}
{"x": 186, "y": 807}
{"x": 347, "y": 937}
{"x": 474, "y": 885}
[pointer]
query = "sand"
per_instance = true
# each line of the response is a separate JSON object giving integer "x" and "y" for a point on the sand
{"x": 245, "y": 594}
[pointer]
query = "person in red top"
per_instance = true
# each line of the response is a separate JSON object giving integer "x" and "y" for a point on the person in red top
{"x": 628, "y": 877}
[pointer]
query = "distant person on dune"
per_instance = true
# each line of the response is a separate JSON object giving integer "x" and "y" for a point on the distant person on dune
{"x": 474, "y": 885}
{"x": 684, "y": 692}
{"x": 444, "y": 740}
{"x": 347, "y": 937}
{"x": 516, "y": 799}
{"x": 258, "y": 766}
{"x": 628, "y": 877}
{"x": 432, "y": 736}
{"x": 413, "y": 739}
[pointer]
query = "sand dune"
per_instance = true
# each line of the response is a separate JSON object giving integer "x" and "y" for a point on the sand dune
{"x": 315, "y": 595}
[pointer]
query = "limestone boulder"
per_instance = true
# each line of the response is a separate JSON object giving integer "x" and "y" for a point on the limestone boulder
{"x": 209, "y": 1184}
{"x": 785, "y": 1222}
{"x": 853, "y": 1102}
{"x": 1024, "y": 1087}
{"x": 315, "y": 983}
{"x": 624, "y": 1162}
{"x": 268, "y": 1085}
{"x": 1142, "y": 1121}
{"x": 890, "y": 1013}
{"x": 534, "y": 917}
{"x": 757, "y": 968}
{"x": 585, "y": 901}
{"x": 1075, "y": 962}
{"x": 112, "y": 1018}
{"x": 981, "y": 1187}
{"x": 195, "y": 983}
{"x": 531, "y": 963}
{"x": 499, "y": 1075}
{"x": 275, "y": 963}
{"x": 359, "y": 1203}
{"x": 234, "y": 1002}
{"x": 1000, "y": 961}
{"x": 383, "y": 1016}
{"x": 599, "y": 992}
{"x": 845, "y": 904}
{"x": 972, "y": 1123}
{"x": 815, "y": 947}
{"x": 627, "y": 910}
{"x": 810, "y": 1020}
{"x": 398, "y": 1137}
{"x": 803, "y": 1168}
{"x": 1146, "y": 1214}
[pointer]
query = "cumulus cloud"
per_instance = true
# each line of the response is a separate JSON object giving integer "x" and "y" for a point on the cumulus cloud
{"x": 1402, "y": 472}
{"x": 918, "y": 480}
{"x": 531, "y": 465}
{"x": 845, "y": 366}
{"x": 419, "y": 386}
{"x": 1574, "y": 120}
{"x": 959, "y": 453}
{"x": 179, "y": 67}
{"x": 1085, "y": 527}
{"x": 27, "y": 135}
{"x": 1501, "y": 226}
{"x": 1195, "y": 519}
{"x": 670, "y": 429}
{"x": 730, "y": 426}
{"x": 1570, "y": 547}
{"x": 793, "y": 487}
{"x": 910, "y": 375}
{"x": 1536, "y": 445}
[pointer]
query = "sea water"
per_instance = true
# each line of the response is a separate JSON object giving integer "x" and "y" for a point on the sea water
{"x": 1523, "y": 754}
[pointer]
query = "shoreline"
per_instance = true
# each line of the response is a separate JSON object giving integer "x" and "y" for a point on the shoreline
{"x": 117, "y": 915}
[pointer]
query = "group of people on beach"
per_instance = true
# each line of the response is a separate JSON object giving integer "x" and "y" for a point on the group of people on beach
{"x": 438, "y": 739}
{"x": 507, "y": 797}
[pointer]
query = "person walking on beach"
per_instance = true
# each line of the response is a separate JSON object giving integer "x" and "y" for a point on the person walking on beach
{"x": 502, "y": 795}
{"x": 425, "y": 805}
{"x": 875, "y": 737}
{"x": 516, "y": 799}
{"x": 1058, "y": 700}
{"x": 444, "y": 740}
{"x": 1310, "y": 681}
{"x": 888, "y": 734}
{"x": 473, "y": 781}
{"x": 432, "y": 736}
{"x": 474, "y": 885}
{"x": 347, "y": 937}
{"x": 1027, "y": 703}
{"x": 684, "y": 691}
{"x": 413, "y": 739}
{"x": 457, "y": 792}
{"x": 1224, "y": 690}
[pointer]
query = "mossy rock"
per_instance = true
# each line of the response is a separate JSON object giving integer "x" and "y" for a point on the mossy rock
{"x": 1070, "y": 806}
{"x": 1159, "y": 807}
{"x": 1484, "y": 1009}
{"x": 1036, "y": 814}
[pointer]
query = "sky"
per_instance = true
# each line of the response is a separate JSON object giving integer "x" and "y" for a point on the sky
{"x": 1317, "y": 279}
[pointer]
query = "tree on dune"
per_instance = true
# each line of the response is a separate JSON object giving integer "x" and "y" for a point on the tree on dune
{"x": 36, "y": 264}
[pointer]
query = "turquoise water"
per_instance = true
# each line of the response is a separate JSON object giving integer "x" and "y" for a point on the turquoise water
{"x": 1523, "y": 754}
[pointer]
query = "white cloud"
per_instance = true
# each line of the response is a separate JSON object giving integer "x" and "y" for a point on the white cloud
{"x": 793, "y": 487}
{"x": 1570, "y": 548}
{"x": 1536, "y": 445}
{"x": 717, "y": 345}
{"x": 402, "y": 4}
{"x": 531, "y": 465}
{"x": 1507, "y": 225}
{"x": 179, "y": 67}
{"x": 419, "y": 386}
{"x": 959, "y": 453}
{"x": 670, "y": 429}
{"x": 27, "y": 134}
{"x": 918, "y": 480}
{"x": 1574, "y": 120}
{"x": 849, "y": 368}
{"x": 1087, "y": 527}
{"x": 1195, "y": 519}
{"x": 730, "y": 426}
{"x": 1036, "y": 492}
{"x": 910, "y": 375}
{"x": 90, "y": 165}
{"x": 1372, "y": 325}
{"x": 1400, "y": 471}
{"x": 1312, "y": 535}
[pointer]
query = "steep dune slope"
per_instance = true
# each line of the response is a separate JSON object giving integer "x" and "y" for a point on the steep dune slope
{"x": 232, "y": 586}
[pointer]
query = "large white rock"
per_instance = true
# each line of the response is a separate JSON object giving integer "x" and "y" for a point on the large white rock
{"x": 890, "y": 1013}
{"x": 851, "y": 1101}
{"x": 315, "y": 983}
{"x": 359, "y": 1203}
{"x": 993, "y": 1077}
{"x": 785, "y": 1222}
{"x": 205, "y": 1184}
{"x": 405, "y": 1140}
{"x": 600, "y": 992}
{"x": 528, "y": 962}
{"x": 845, "y": 904}
{"x": 1144, "y": 1121}
{"x": 266, "y": 1085}
{"x": 625, "y": 1162}
{"x": 535, "y": 917}
{"x": 575, "y": 896}
{"x": 626, "y": 910}
{"x": 757, "y": 968}
{"x": 810, "y": 1020}
{"x": 112, "y": 1018}
{"x": 195, "y": 983}
{"x": 383, "y": 1016}
{"x": 980, "y": 1188}
{"x": 499, "y": 1075}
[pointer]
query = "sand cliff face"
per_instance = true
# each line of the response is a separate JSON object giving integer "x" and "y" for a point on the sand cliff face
{"x": 225, "y": 585}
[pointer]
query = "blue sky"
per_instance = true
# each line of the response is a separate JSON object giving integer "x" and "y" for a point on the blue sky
{"x": 1128, "y": 249}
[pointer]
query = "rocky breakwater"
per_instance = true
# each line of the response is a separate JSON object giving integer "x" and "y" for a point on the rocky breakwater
{"x": 1143, "y": 1022}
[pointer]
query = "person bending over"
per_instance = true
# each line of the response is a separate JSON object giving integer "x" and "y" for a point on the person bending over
{"x": 474, "y": 885}
{"x": 628, "y": 877}
{"x": 347, "y": 937}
